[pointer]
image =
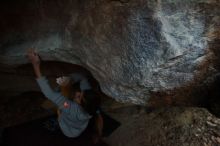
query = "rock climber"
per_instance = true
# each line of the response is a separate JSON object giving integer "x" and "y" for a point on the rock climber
{"x": 76, "y": 107}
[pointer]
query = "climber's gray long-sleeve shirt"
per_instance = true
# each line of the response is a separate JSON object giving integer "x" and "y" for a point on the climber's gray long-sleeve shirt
{"x": 73, "y": 119}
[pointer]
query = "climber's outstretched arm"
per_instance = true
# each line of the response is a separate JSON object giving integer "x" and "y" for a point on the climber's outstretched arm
{"x": 56, "y": 97}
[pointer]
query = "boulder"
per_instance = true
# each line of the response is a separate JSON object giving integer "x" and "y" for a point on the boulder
{"x": 132, "y": 47}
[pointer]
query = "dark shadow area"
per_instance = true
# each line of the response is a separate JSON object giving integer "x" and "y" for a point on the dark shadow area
{"x": 213, "y": 104}
{"x": 22, "y": 108}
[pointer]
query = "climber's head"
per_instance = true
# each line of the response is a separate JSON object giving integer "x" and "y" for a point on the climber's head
{"x": 76, "y": 93}
{"x": 88, "y": 99}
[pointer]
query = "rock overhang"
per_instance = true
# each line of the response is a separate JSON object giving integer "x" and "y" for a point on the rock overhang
{"x": 131, "y": 48}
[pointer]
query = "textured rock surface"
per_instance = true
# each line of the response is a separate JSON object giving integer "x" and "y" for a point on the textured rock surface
{"x": 131, "y": 47}
{"x": 166, "y": 127}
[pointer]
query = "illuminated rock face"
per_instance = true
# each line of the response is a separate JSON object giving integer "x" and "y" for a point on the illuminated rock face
{"x": 131, "y": 47}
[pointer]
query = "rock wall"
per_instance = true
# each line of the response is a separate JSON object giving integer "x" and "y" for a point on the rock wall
{"x": 166, "y": 127}
{"x": 132, "y": 47}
